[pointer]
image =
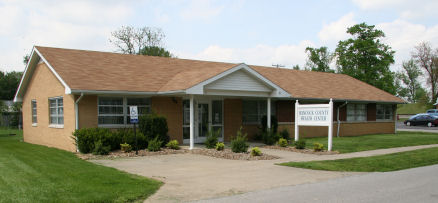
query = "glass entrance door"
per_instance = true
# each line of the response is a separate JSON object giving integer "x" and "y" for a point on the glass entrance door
{"x": 203, "y": 124}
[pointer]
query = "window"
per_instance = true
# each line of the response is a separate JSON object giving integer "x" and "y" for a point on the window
{"x": 56, "y": 111}
{"x": 254, "y": 110}
{"x": 384, "y": 112}
{"x": 356, "y": 112}
{"x": 34, "y": 112}
{"x": 115, "y": 110}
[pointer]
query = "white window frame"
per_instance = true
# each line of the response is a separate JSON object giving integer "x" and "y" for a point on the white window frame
{"x": 125, "y": 114}
{"x": 260, "y": 104}
{"x": 354, "y": 118}
{"x": 33, "y": 106}
{"x": 58, "y": 115}
{"x": 385, "y": 106}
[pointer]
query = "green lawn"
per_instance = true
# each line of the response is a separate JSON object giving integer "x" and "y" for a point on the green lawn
{"x": 414, "y": 108}
{"x": 381, "y": 163}
{"x": 33, "y": 173}
{"x": 379, "y": 141}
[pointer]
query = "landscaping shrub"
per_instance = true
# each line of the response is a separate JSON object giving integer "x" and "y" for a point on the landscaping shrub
{"x": 317, "y": 147}
{"x": 100, "y": 148}
{"x": 300, "y": 144}
{"x": 238, "y": 144}
{"x": 86, "y": 139}
{"x": 256, "y": 152}
{"x": 155, "y": 144}
{"x": 125, "y": 147}
{"x": 211, "y": 139}
{"x": 220, "y": 146}
{"x": 282, "y": 142}
{"x": 274, "y": 124}
{"x": 173, "y": 144}
{"x": 126, "y": 135}
{"x": 152, "y": 125}
{"x": 270, "y": 137}
{"x": 285, "y": 134}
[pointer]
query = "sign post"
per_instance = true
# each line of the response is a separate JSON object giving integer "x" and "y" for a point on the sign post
{"x": 133, "y": 113}
{"x": 314, "y": 115}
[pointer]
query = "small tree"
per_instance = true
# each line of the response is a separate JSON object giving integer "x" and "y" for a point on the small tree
{"x": 409, "y": 76}
{"x": 319, "y": 59}
{"x": 427, "y": 59}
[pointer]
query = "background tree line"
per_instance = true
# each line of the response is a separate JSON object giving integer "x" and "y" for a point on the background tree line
{"x": 364, "y": 57}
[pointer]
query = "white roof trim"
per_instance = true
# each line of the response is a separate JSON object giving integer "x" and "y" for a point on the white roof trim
{"x": 27, "y": 69}
{"x": 277, "y": 91}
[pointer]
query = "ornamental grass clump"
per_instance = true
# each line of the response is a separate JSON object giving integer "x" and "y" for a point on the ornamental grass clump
{"x": 125, "y": 147}
{"x": 300, "y": 144}
{"x": 173, "y": 144}
{"x": 220, "y": 146}
{"x": 282, "y": 142}
{"x": 317, "y": 147}
{"x": 256, "y": 152}
{"x": 212, "y": 138}
{"x": 155, "y": 144}
{"x": 238, "y": 144}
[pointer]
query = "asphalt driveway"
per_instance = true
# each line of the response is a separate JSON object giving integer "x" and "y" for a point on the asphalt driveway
{"x": 193, "y": 177}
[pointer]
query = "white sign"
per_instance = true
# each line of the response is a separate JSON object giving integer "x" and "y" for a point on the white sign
{"x": 133, "y": 113}
{"x": 314, "y": 115}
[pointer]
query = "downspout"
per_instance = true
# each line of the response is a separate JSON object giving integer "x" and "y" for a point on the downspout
{"x": 339, "y": 121}
{"x": 77, "y": 117}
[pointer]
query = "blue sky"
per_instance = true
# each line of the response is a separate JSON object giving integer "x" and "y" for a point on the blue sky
{"x": 253, "y": 32}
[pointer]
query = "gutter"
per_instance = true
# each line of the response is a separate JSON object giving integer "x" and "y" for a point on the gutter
{"x": 339, "y": 121}
{"x": 77, "y": 117}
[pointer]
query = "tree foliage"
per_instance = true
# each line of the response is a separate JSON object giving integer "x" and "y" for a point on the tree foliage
{"x": 427, "y": 59}
{"x": 409, "y": 76}
{"x": 144, "y": 40}
{"x": 366, "y": 58}
{"x": 9, "y": 82}
{"x": 319, "y": 59}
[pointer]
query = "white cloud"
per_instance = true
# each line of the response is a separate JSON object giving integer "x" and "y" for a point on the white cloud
{"x": 407, "y": 9}
{"x": 333, "y": 32}
{"x": 265, "y": 55}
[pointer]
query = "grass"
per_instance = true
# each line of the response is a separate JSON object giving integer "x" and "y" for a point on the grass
{"x": 378, "y": 141}
{"x": 414, "y": 108}
{"x": 33, "y": 173}
{"x": 381, "y": 163}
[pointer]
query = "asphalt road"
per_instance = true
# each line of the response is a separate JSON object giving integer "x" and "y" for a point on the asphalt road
{"x": 402, "y": 127}
{"x": 411, "y": 185}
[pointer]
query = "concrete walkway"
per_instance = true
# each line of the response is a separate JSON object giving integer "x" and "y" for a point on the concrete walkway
{"x": 190, "y": 177}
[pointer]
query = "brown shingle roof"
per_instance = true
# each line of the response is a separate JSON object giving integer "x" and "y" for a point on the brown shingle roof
{"x": 91, "y": 70}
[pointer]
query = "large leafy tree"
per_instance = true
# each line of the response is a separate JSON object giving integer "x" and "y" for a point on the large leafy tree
{"x": 366, "y": 58}
{"x": 8, "y": 84}
{"x": 143, "y": 41}
{"x": 319, "y": 59}
{"x": 409, "y": 76}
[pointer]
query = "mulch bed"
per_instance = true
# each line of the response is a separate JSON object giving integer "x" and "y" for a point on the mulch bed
{"x": 225, "y": 154}
{"x": 305, "y": 151}
{"x": 228, "y": 154}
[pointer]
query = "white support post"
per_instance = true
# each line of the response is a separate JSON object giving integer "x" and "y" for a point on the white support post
{"x": 268, "y": 116}
{"x": 296, "y": 122}
{"x": 192, "y": 120}
{"x": 330, "y": 128}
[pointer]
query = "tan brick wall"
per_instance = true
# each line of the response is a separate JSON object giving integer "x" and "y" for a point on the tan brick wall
{"x": 43, "y": 85}
{"x": 171, "y": 108}
{"x": 232, "y": 117}
{"x": 88, "y": 111}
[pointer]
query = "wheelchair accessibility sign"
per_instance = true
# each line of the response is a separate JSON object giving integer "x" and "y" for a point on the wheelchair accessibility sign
{"x": 133, "y": 113}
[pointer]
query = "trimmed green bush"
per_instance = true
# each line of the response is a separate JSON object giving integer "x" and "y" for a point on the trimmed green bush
{"x": 300, "y": 144}
{"x": 125, "y": 147}
{"x": 270, "y": 137}
{"x": 282, "y": 142}
{"x": 211, "y": 139}
{"x": 126, "y": 135}
{"x": 317, "y": 147}
{"x": 152, "y": 125}
{"x": 173, "y": 144}
{"x": 238, "y": 144}
{"x": 86, "y": 139}
{"x": 285, "y": 134}
{"x": 100, "y": 148}
{"x": 256, "y": 152}
{"x": 220, "y": 146}
{"x": 274, "y": 123}
{"x": 155, "y": 144}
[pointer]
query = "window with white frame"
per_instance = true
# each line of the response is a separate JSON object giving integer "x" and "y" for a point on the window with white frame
{"x": 356, "y": 112}
{"x": 115, "y": 110}
{"x": 254, "y": 110}
{"x": 384, "y": 112}
{"x": 56, "y": 111}
{"x": 34, "y": 112}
